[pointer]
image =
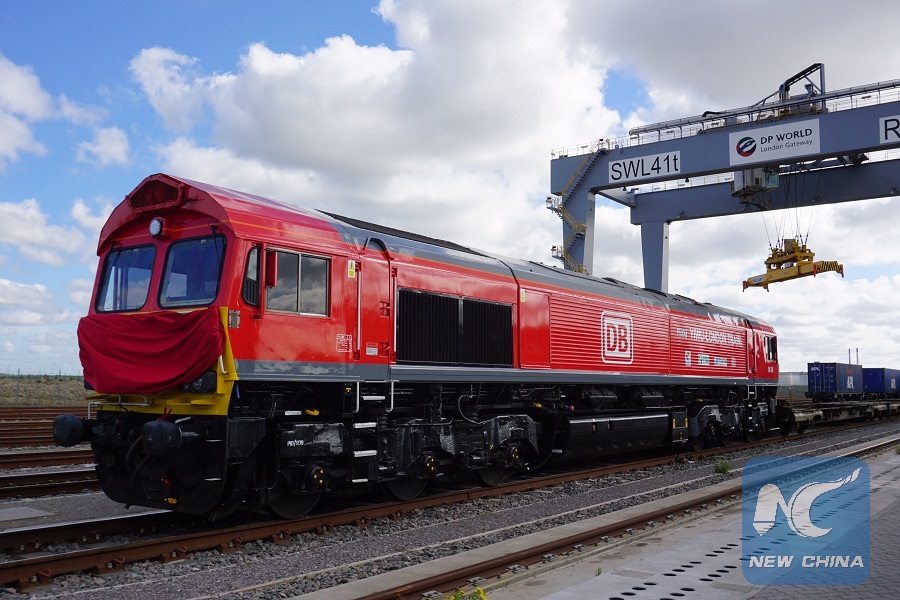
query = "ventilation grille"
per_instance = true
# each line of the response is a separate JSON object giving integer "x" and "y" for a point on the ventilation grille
{"x": 154, "y": 195}
{"x": 435, "y": 329}
{"x": 487, "y": 333}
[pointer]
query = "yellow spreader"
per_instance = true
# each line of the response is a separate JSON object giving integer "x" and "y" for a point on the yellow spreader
{"x": 792, "y": 261}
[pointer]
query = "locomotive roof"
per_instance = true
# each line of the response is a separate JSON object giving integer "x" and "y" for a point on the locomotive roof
{"x": 230, "y": 206}
{"x": 403, "y": 241}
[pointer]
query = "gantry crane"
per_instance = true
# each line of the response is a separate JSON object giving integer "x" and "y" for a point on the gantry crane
{"x": 731, "y": 162}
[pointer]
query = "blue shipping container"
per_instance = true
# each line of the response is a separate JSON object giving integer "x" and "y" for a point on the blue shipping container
{"x": 880, "y": 380}
{"x": 827, "y": 380}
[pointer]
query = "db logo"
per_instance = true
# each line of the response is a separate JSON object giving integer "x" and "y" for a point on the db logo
{"x": 616, "y": 330}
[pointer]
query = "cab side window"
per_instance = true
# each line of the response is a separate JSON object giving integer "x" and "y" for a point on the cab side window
{"x": 771, "y": 349}
{"x": 250, "y": 289}
{"x": 301, "y": 284}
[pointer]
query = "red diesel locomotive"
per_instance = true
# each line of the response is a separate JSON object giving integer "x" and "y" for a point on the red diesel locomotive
{"x": 252, "y": 354}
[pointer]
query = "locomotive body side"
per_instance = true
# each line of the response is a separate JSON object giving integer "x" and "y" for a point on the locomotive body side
{"x": 281, "y": 354}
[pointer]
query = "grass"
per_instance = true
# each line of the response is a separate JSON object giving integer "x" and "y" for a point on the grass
{"x": 42, "y": 390}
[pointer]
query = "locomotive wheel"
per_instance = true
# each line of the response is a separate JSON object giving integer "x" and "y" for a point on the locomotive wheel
{"x": 697, "y": 442}
{"x": 293, "y": 506}
{"x": 491, "y": 476}
{"x": 406, "y": 488}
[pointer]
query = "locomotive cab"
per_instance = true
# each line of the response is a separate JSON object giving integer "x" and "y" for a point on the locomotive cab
{"x": 155, "y": 349}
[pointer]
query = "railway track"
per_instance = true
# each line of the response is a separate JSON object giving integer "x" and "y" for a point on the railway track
{"x": 46, "y": 458}
{"x": 47, "y": 483}
{"x": 28, "y": 426}
{"x": 24, "y": 570}
{"x": 26, "y": 436}
{"x": 18, "y": 413}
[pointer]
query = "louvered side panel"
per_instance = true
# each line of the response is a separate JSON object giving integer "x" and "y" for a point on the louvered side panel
{"x": 708, "y": 348}
{"x": 608, "y": 335}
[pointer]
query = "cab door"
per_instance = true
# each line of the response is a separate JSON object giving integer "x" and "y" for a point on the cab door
{"x": 751, "y": 353}
{"x": 376, "y": 282}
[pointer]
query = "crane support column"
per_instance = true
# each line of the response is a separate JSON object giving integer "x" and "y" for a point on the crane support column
{"x": 655, "y": 251}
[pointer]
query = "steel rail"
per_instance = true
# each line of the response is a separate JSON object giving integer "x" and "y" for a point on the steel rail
{"x": 46, "y": 458}
{"x": 45, "y": 483}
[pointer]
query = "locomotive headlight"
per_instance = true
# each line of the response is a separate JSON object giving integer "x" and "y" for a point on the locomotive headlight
{"x": 157, "y": 227}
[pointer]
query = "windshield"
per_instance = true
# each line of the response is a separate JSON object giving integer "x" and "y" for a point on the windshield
{"x": 192, "y": 272}
{"x": 126, "y": 279}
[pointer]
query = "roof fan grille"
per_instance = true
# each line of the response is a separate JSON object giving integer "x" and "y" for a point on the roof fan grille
{"x": 154, "y": 195}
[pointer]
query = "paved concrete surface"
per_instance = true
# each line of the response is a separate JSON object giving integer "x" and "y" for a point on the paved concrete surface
{"x": 702, "y": 560}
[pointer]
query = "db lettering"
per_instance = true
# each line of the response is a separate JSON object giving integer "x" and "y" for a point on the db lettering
{"x": 617, "y": 333}
{"x": 616, "y": 339}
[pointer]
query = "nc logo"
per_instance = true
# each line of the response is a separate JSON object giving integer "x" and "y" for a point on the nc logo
{"x": 797, "y": 509}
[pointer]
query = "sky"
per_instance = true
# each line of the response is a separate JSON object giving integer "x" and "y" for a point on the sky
{"x": 432, "y": 116}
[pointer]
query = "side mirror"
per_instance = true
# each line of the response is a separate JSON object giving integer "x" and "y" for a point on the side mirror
{"x": 271, "y": 268}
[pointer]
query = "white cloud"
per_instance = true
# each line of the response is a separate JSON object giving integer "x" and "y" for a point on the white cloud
{"x": 20, "y": 294}
{"x": 24, "y": 102}
{"x": 16, "y": 137}
{"x": 109, "y": 147}
{"x": 87, "y": 219}
{"x": 716, "y": 59}
{"x": 21, "y": 93}
{"x": 168, "y": 80}
{"x": 21, "y": 317}
{"x": 74, "y": 112}
{"x": 80, "y": 293}
{"x": 24, "y": 226}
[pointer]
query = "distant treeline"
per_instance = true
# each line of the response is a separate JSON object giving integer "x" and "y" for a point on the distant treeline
{"x": 39, "y": 377}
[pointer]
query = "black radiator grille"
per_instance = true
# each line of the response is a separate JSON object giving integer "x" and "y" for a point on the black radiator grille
{"x": 427, "y": 328}
{"x": 435, "y": 329}
{"x": 487, "y": 333}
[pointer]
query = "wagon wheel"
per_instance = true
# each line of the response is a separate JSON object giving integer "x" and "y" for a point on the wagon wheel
{"x": 491, "y": 476}
{"x": 786, "y": 426}
{"x": 751, "y": 434}
{"x": 292, "y": 506}
{"x": 405, "y": 488}
{"x": 724, "y": 439}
